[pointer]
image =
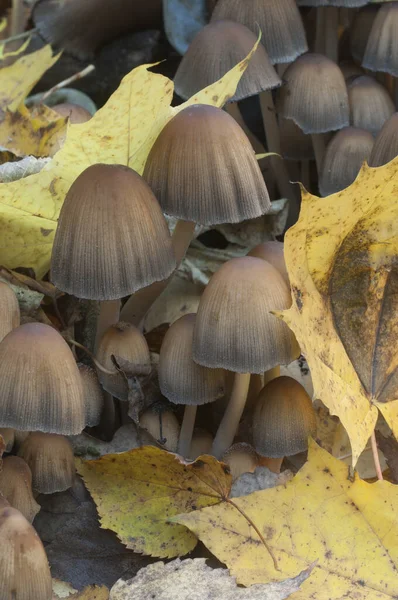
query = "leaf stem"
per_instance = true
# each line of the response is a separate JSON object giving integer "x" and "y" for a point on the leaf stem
{"x": 376, "y": 459}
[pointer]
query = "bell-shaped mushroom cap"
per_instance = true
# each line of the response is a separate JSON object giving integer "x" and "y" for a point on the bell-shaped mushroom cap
{"x": 51, "y": 460}
{"x": 272, "y": 252}
{"x": 75, "y": 112}
{"x": 181, "y": 380}
{"x": 129, "y": 348}
{"x": 386, "y": 144}
{"x": 360, "y": 29}
{"x": 234, "y": 327}
{"x": 40, "y": 385}
{"x": 112, "y": 238}
{"x": 9, "y": 310}
{"x": 201, "y": 443}
{"x": 202, "y": 168}
{"x": 370, "y": 104}
{"x": 24, "y": 570}
{"x": 314, "y": 95}
{"x": 295, "y": 144}
{"x": 216, "y": 49}
{"x": 16, "y": 486}
{"x": 280, "y": 22}
{"x": 381, "y": 52}
{"x": 241, "y": 458}
{"x": 8, "y": 435}
{"x": 344, "y": 157}
{"x": 283, "y": 419}
{"x": 92, "y": 394}
{"x": 163, "y": 426}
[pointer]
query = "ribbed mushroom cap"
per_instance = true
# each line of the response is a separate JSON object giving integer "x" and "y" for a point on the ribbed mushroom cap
{"x": 344, "y": 157}
{"x": 234, "y": 327}
{"x": 370, "y": 104}
{"x": 201, "y": 443}
{"x": 386, "y": 144}
{"x": 75, "y": 112}
{"x": 129, "y": 348}
{"x": 280, "y": 22}
{"x": 8, "y": 435}
{"x": 16, "y": 486}
{"x": 92, "y": 394}
{"x": 241, "y": 458}
{"x": 360, "y": 29}
{"x": 315, "y": 95}
{"x": 163, "y": 426}
{"x": 112, "y": 238}
{"x": 203, "y": 168}
{"x": 40, "y": 385}
{"x": 272, "y": 252}
{"x": 181, "y": 380}
{"x": 51, "y": 460}
{"x": 10, "y": 316}
{"x": 283, "y": 419}
{"x": 24, "y": 570}
{"x": 216, "y": 49}
{"x": 295, "y": 144}
{"x": 381, "y": 52}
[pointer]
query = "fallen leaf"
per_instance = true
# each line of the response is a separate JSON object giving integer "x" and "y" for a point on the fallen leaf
{"x": 349, "y": 529}
{"x": 93, "y": 592}
{"x": 5, "y": 54}
{"x": 173, "y": 580}
{"x": 389, "y": 447}
{"x": 121, "y": 132}
{"x": 15, "y": 170}
{"x": 62, "y": 589}
{"x": 341, "y": 256}
{"x": 261, "y": 479}
{"x": 138, "y": 491}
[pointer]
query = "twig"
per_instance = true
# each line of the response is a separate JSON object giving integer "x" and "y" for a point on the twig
{"x": 65, "y": 82}
{"x": 376, "y": 460}
{"x": 91, "y": 355}
{"x": 19, "y": 36}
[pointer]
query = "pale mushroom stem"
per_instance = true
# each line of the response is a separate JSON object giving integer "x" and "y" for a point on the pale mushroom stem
{"x": 233, "y": 110}
{"x": 108, "y": 315}
{"x": 17, "y": 17}
{"x": 319, "y": 46}
{"x": 271, "y": 374}
{"x": 331, "y": 33}
{"x": 139, "y": 303}
{"x": 188, "y": 423}
{"x": 273, "y": 464}
{"x": 318, "y": 142}
{"x": 272, "y": 135}
{"x": 230, "y": 421}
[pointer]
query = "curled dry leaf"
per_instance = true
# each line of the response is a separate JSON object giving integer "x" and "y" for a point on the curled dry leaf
{"x": 342, "y": 258}
{"x": 349, "y": 529}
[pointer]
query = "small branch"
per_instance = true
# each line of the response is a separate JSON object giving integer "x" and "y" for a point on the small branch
{"x": 376, "y": 459}
{"x": 91, "y": 355}
{"x": 19, "y": 36}
{"x": 65, "y": 82}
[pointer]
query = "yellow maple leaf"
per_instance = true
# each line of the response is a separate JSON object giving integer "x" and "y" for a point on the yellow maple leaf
{"x": 342, "y": 258}
{"x": 121, "y": 132}
{"x": 136, "y": 492}
{"x": 348, "y": 531}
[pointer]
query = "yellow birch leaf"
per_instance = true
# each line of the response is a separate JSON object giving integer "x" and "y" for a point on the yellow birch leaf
{"x": 347, "y": 529}
{"x": 342, "y": 259}
{"x": 122, "y": 132}
{"x": 138, "y": 491}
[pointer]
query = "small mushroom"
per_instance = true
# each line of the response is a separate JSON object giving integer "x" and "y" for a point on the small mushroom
{"x": 360, "y": 29}
{"x": 92, "y": 394}
{"x": 370, "y": 104}
{"x": 241, "y": 458}
{"x": 163, "y": 426}
{"x": 16, "y": 486}
{"x": 272, "y": 252}
{"x": 9, "y": 310}
{"x": 8, "y": 435}
{"x": 386, "y": 144}
{"x": 381, "y": 52}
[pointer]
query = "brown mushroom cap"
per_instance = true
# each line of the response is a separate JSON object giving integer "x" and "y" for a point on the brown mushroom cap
{"x": 16, "y": 486}
{"x": 24, "y": 570}
{"x": 386, "y": 144}
{"x": 234, "y": 328}
{"x": 314, "y": 95}
{"x": 112, "y": 238}
{"x": 202, "y": 168}
{"x": 10, "y": 316}
{"x": 272, "y": 252}
{"x": 280, "y": 22}
{"x": 370, "y": 104}
{"x": 40, "y": 385}
{"x": 381, "y": 52}
{"x": 360, "y": 29}
{"x": 51, "y": 460}
{"x": 344, "y": 157}
{"x": 92, "y": 394}
{"x": 75, "y": 112}
{"x": 163, "y": 426}
{"x": 283, "y": 419}
{"x": 129, "y": 348}
{"x": 181, "y": 380}
{"x": 215, "y": 50}
{"x": 201, "y": 443}
{"x": 241, "y": 458}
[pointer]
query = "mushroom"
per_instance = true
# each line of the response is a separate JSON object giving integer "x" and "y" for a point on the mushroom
{"x": 283, "y": 420}
{"x": 381, "y": 52}
{"x": 92, "y": 394}
{"x": 360, "y": 29}
{"x": 370, "y": 104}
{"x": 183, "y": 381}
{"x": 241, "y": 458}
{"x": 201, "y": 443}
{"x": 386, "y": 144}
{"x": 272, "y": 252}
{"x": 9, "y": 310}
{"x": 345, "y": 155}
{"x": 51, "y": 460}
{"x": 163, "y": 426}
{"x": 126, "y": 346}
{"x": 40, "y": 384}
{"x": 16, "y": 486}
{"x": 76, "y": 113}
{"x": 24, "y": 570}
{"x": 315, "y": 97}
{"x": 235, "y": 330}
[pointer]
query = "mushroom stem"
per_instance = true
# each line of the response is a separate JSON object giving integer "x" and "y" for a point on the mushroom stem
{"x": 376, "y": 459}
{"x": 319, "y": 149}
{"x": 188, "y": 423}
{"x": 320, "y": 30}
{"x": 232, "y": 109}
{"x": 139, "y": 303}
{"x": 273, "y": 464}
{"x": 108, "y": 315}
{"x": 331, "y": 33}
{"x": 272, "y": 135}
{"x": 230, "y": 421}
{"x": 271, "y": 374}
{"x": 17, "y": 17}
{"x": 305, "y": 174}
